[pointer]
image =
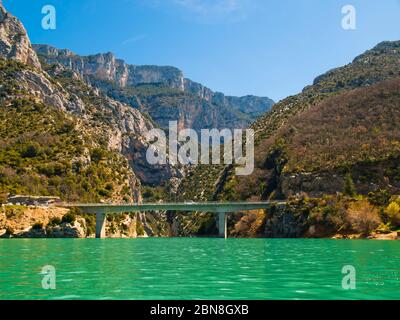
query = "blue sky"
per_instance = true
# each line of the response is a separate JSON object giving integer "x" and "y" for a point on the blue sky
{"x": 263, "y": 47}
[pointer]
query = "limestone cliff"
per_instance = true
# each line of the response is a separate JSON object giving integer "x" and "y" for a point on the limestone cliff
{"x": 107, "y": 67}
{"x": 14, "y": 43}
{"x": 21, "y": 221}
{"x": 162, "y": 92}
{"x": 122, "y": 127}
{"x": 59, "y": 136}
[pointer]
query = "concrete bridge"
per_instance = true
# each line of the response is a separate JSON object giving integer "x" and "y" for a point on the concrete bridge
{"x": 220, "y": 208}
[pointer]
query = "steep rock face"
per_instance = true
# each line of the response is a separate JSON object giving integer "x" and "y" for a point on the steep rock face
{"x": 252, "y": 105}
{"x": 162, "y": 92}
{"x": 65, "y": 138}
{"x": 107, "y": 68}
{"x": 110, "y": 123}
{"x": 123, "y": 127}
{"x": 191, "y": 111}
{"x": 198, "y": 89}
{"x": 14, "y": 43}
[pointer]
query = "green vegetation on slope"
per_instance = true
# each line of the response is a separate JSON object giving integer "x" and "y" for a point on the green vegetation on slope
{"x": 355, "y": 132}
{"x": 346, "y": 123}
{"x": 42, "y": 153}
{"x": 358, "y": 126}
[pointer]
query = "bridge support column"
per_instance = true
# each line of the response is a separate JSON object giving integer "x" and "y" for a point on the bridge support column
{"x": 100, "y": 225}
{"x": 222, "y": 225}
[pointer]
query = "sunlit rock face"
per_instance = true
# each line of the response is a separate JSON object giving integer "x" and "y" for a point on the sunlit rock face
{"x": 106, "y": 67}
{"x": 161, "y": 91}
{"x": 14, "y": 43}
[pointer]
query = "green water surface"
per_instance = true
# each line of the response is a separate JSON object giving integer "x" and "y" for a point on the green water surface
{"x": 193, "y": 268}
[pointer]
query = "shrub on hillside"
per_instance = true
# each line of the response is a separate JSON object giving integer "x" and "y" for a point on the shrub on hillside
{"x": 349, "y": 189}
{"x": 37, "y": 226}
{"x": 54, "y": 222}
{"x": 30, "y": 151}
{"x": 139, "y": 228}
{"x": 363, "y": 217}
{"x": 3, "y": 198}
{"x": 379, "y": 198}
{"x": 393, "y": 213}
{"x": 69, "y": 217}
{"x": 90, "y": 220}
{"x": 97, "y": 155}
{"x": 14, "y": 212}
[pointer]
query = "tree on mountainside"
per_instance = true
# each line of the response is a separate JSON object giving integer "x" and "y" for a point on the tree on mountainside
{"x": 363, "y": 217}
{"x": 349, "y": 189}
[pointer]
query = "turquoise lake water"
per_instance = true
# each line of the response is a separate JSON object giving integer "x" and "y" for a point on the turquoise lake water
{"x": 196, "y": 268}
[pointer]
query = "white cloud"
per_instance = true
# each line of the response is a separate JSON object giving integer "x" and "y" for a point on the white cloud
{"x": 207, "y": 11}
{"x": 209, "y": 6}
{"x": 134, "y": 39}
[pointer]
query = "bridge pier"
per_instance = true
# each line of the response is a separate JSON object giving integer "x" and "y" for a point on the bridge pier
{"x": 222, "y": 225}
{"x": 222, "y": 209}
{"x": 100, "y": 225}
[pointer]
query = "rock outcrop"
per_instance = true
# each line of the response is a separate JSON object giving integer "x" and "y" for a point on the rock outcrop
{"x": 23, "y": 221}
{"x": 107, "y": 67}
{"x": 162, "y": 92}
{"x": 123, "y": 127}
{"x": 14, "y": 43}
{"x": 281, "y": 222}
{"x": 32, "y": 200}
{"x": 251, "y": 105}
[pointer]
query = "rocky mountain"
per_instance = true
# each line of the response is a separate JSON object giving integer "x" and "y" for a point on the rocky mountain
{"x": 357, "y": 135}
{"x": 339, "y": 134}
{"x": 48, "y": 129}
{"x": 75, "y": 127}
{"x": 106, "y": 67}
{"x": 359, "y": 90}
{"x": 367, "y": 70}
{"x": 61, "y": 137}
{"x": 161, "y": 92}
{"x": 14, "y": 42}
{"x": 252, "y": 105}
{"x": 124, "y": 128}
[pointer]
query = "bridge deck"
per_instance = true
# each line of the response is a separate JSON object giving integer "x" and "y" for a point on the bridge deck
{"x": 222, "y": 208}
{"x": 184, "y": 206}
